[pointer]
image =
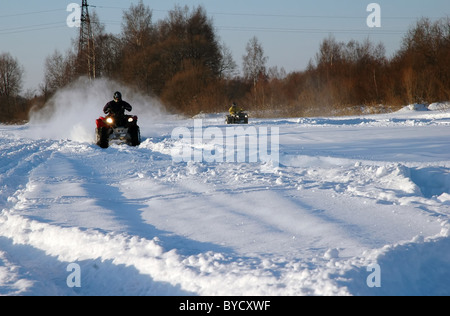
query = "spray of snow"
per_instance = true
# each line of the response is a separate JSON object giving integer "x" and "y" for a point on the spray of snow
{"x": 72, "y": 111}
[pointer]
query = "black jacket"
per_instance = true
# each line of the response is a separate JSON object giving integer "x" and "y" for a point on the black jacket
{"x": 117, "y": 108}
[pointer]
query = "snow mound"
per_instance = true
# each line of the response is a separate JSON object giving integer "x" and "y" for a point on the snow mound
{"x": 418, "y": 107}
{"x": 132, "y": 262}
{"x": 439, "y": 106}
{"x": 419, "y": 267}
{"x": 415, "y": 107}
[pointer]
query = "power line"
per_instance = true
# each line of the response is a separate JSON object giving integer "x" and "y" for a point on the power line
{"x": 223, "y": 28}
{"x": 327, "y": 17}
{"x": 232, "y": 14}
{"x": 306, "y": 30}
{"x": 30, "y": 13}
{"x": 296, "y": 16}
{"x": 30, "y": 28}
{"x": 47, "y": 26}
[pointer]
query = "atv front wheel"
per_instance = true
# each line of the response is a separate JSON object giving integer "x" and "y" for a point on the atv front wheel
{"x": 135, "y": 135}
{"x": 102, "y": 137}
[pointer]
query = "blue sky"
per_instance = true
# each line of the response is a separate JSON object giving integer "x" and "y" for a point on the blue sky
{"x": 289, "y": 30}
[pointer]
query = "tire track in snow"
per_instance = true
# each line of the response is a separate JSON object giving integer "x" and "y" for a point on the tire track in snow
{"x": 151, "y": 261}
{"x": 17, "y": 160}
{"x": 204, "y": 274}
{"x": 104, "y": 252}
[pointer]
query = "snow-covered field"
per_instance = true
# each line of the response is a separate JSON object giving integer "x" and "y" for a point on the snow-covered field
{"x": 355, "y": 202}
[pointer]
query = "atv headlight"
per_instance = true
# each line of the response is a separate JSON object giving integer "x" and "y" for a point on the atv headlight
{"x": 130, "y": 120}
{"x": 109, "y": 120}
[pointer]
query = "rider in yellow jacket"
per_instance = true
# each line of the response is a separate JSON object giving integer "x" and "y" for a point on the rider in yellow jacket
{"x": 235, "y": 109}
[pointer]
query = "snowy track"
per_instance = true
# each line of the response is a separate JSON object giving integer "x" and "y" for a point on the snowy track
{"x": 348, "y": 192}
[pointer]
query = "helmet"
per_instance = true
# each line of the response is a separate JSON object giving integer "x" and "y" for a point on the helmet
{"x": 117, "y": 96}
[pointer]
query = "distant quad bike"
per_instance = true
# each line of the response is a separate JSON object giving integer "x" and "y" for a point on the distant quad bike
{"x": 123, "y": 129}
{"x": 239, "y": 118}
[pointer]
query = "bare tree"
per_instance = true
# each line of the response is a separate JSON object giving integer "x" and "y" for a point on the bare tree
{"x": 59, "y": 70}
{"x": 426, "y": 50}
{"x": 277, "y": 74}
{"x": 254, "y": 65}
{"x": 228, "y": 67}
{"x": 137, "y": 26}
{"x": 330, "y": 55}
{"x": 11, "y": 74}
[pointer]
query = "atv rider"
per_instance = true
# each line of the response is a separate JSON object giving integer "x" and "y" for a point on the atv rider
{"x": 235, "y": 110}
{"x": 117, "y": 107}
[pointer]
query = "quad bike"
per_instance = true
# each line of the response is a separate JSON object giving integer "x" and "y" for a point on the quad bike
{"x": 239, "y": 118}
{"x": 118, "y": 129}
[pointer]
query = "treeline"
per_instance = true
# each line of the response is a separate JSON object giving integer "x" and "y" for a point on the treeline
{"x": 13, "y": 107}
{"x": 346, "y": 76}
{"x": 181, "y": 61}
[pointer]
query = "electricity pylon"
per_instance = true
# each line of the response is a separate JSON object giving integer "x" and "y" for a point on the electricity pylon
{"x": 86, "y": 45}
